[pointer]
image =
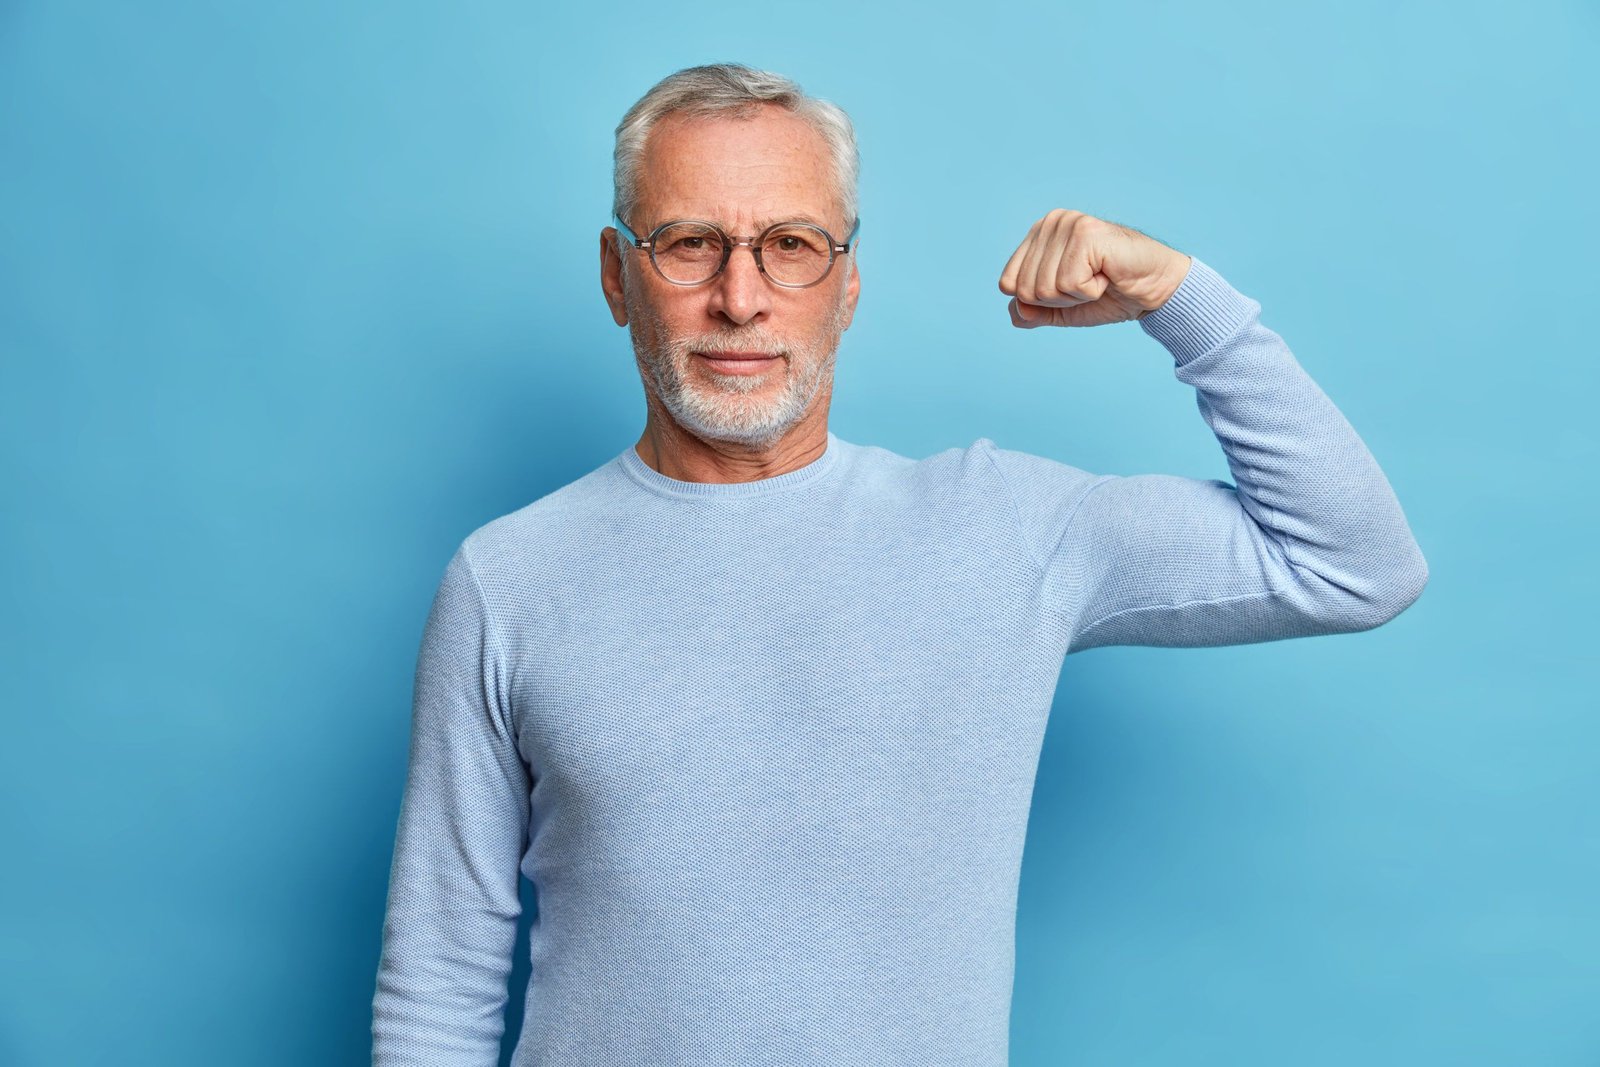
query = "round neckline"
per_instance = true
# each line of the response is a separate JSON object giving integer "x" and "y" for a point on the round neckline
{"x": 653, "y": 480}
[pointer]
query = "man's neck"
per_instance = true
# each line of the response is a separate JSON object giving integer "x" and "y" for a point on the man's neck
{"x": 670, "y": 450}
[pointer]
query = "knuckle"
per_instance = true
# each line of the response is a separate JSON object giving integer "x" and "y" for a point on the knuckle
{"x": 1034, "y": 294}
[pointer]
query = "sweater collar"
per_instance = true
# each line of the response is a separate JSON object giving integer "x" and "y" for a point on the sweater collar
{"x": 659, "y": 483}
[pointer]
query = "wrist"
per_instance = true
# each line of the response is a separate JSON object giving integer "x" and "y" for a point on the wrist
{"x": 1171, "y": 280}
{"x": 1204, "y": 312}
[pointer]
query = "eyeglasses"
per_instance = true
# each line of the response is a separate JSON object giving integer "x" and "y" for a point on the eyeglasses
{"x": 795, "y": 255}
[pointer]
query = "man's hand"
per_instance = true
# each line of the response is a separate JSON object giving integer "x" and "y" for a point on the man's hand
{"x": 1076, "y": 270}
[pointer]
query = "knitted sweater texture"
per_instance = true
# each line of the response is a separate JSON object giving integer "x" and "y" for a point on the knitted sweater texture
{"x": 766, "y": 750}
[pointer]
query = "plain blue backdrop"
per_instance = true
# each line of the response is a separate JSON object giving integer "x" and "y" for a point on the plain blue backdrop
{"x": 295, "y": 296}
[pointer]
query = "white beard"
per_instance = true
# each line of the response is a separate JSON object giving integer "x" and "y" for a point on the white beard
{"x": 726, "y": 410}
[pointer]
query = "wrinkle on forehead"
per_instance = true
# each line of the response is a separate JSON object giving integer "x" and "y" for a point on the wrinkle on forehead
{"x": 741, "y": 172}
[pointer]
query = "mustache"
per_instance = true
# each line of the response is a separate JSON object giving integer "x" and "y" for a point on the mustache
{"x": 749, "y": 340}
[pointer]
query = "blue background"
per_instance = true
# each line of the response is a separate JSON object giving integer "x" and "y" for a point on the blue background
{"x": 293, "y": 297}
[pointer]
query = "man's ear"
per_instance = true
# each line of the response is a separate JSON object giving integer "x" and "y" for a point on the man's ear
{"x": 852, "y": 288}
{"x": 611, "y": 275}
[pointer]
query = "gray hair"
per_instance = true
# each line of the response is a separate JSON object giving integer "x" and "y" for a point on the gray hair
{"x": 730, "y": 89}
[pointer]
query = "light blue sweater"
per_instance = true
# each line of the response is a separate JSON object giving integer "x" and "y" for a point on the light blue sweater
{"x": 766, "y": 749}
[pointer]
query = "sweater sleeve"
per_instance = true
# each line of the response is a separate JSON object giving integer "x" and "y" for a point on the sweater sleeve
{"x": 1307, "y": 539}
{"x": 450, "y": 923}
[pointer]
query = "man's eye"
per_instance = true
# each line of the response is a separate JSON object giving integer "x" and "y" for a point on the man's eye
{"x": 788, "y": 244}
{"x": 691, "y": 244}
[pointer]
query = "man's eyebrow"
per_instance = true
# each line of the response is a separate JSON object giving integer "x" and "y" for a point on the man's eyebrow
{"x": 762, "y": 224}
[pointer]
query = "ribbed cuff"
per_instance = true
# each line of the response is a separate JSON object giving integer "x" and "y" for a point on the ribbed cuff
{"x": 1202, "y": 313}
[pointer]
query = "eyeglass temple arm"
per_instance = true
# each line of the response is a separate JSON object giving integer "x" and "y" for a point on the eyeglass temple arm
{"x": 850, "y": 240}
{"x": 622, "y": 227}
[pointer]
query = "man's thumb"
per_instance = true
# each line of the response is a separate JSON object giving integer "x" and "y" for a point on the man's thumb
{"x": 1027, "y": 316}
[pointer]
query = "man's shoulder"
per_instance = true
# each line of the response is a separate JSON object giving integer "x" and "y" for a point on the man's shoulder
{"x": 549, "y": 522}
{"x": 981, "y": 462}
{"x": 874, "y": 462}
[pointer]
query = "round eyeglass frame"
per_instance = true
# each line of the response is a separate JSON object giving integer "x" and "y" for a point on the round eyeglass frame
{"x": 729, "y": 243}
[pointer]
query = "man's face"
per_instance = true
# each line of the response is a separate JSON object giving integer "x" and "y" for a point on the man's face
{"x": 743, "y": 174}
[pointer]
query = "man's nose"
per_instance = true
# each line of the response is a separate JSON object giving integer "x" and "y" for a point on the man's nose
{"x": 740, "y": 294}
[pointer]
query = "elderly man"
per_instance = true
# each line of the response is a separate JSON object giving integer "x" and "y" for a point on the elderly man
{"x": 758, "y": 710}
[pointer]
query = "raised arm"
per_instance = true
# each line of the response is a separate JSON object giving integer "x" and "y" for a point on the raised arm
{"x": 451, "y": 919}
{"x": 1309, "y": 538}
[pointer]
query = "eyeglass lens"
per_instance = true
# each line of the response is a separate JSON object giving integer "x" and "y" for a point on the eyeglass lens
{"x": 691, "y": 252}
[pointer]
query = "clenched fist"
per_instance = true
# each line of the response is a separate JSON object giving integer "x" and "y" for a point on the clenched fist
{"x": 1076, "y": 270}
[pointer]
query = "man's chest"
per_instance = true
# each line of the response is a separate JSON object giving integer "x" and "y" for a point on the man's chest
{"x": 636, "y": 676}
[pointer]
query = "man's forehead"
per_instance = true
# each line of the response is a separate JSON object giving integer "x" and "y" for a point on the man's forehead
{"x": 763, "y": 168}
{"x": 765, "y": 123}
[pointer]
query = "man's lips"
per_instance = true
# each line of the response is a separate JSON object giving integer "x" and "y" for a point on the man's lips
{"x": 738, "y": 362}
